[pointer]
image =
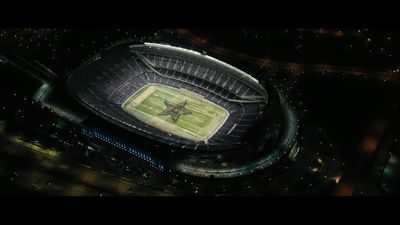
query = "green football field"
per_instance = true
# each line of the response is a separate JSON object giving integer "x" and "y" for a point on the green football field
{"x": 198, "y": 120}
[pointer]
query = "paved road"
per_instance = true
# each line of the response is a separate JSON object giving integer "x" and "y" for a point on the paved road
{"x": 79, "y": 181}
{"x": 297, "y": 68}
{"x": 365, "y": 155}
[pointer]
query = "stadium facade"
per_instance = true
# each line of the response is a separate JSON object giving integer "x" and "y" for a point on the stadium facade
{"x": 258, "y": 131}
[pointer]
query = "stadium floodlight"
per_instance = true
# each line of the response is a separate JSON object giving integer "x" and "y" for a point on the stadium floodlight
{"x": 185, "y": 100}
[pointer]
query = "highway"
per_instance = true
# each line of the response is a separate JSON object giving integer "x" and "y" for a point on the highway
{"x": 296, "y": 68}
{"x": 363, "y": 158}
{"x": 369, "y": 145}
{"x": 68, "y": 179}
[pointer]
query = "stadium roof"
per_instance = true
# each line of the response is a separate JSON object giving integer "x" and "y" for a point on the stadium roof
{"x": 250, "y": 80}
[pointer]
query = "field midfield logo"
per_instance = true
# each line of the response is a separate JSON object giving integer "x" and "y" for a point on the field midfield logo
{"x": 175, "y": 110}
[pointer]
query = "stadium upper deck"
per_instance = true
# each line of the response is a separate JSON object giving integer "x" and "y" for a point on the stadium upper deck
{"x": 104, "y": 83}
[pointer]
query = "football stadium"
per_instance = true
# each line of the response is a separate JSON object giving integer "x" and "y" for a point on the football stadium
{"x": 189, "y": 112}
{"x": 199, "y": 112}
